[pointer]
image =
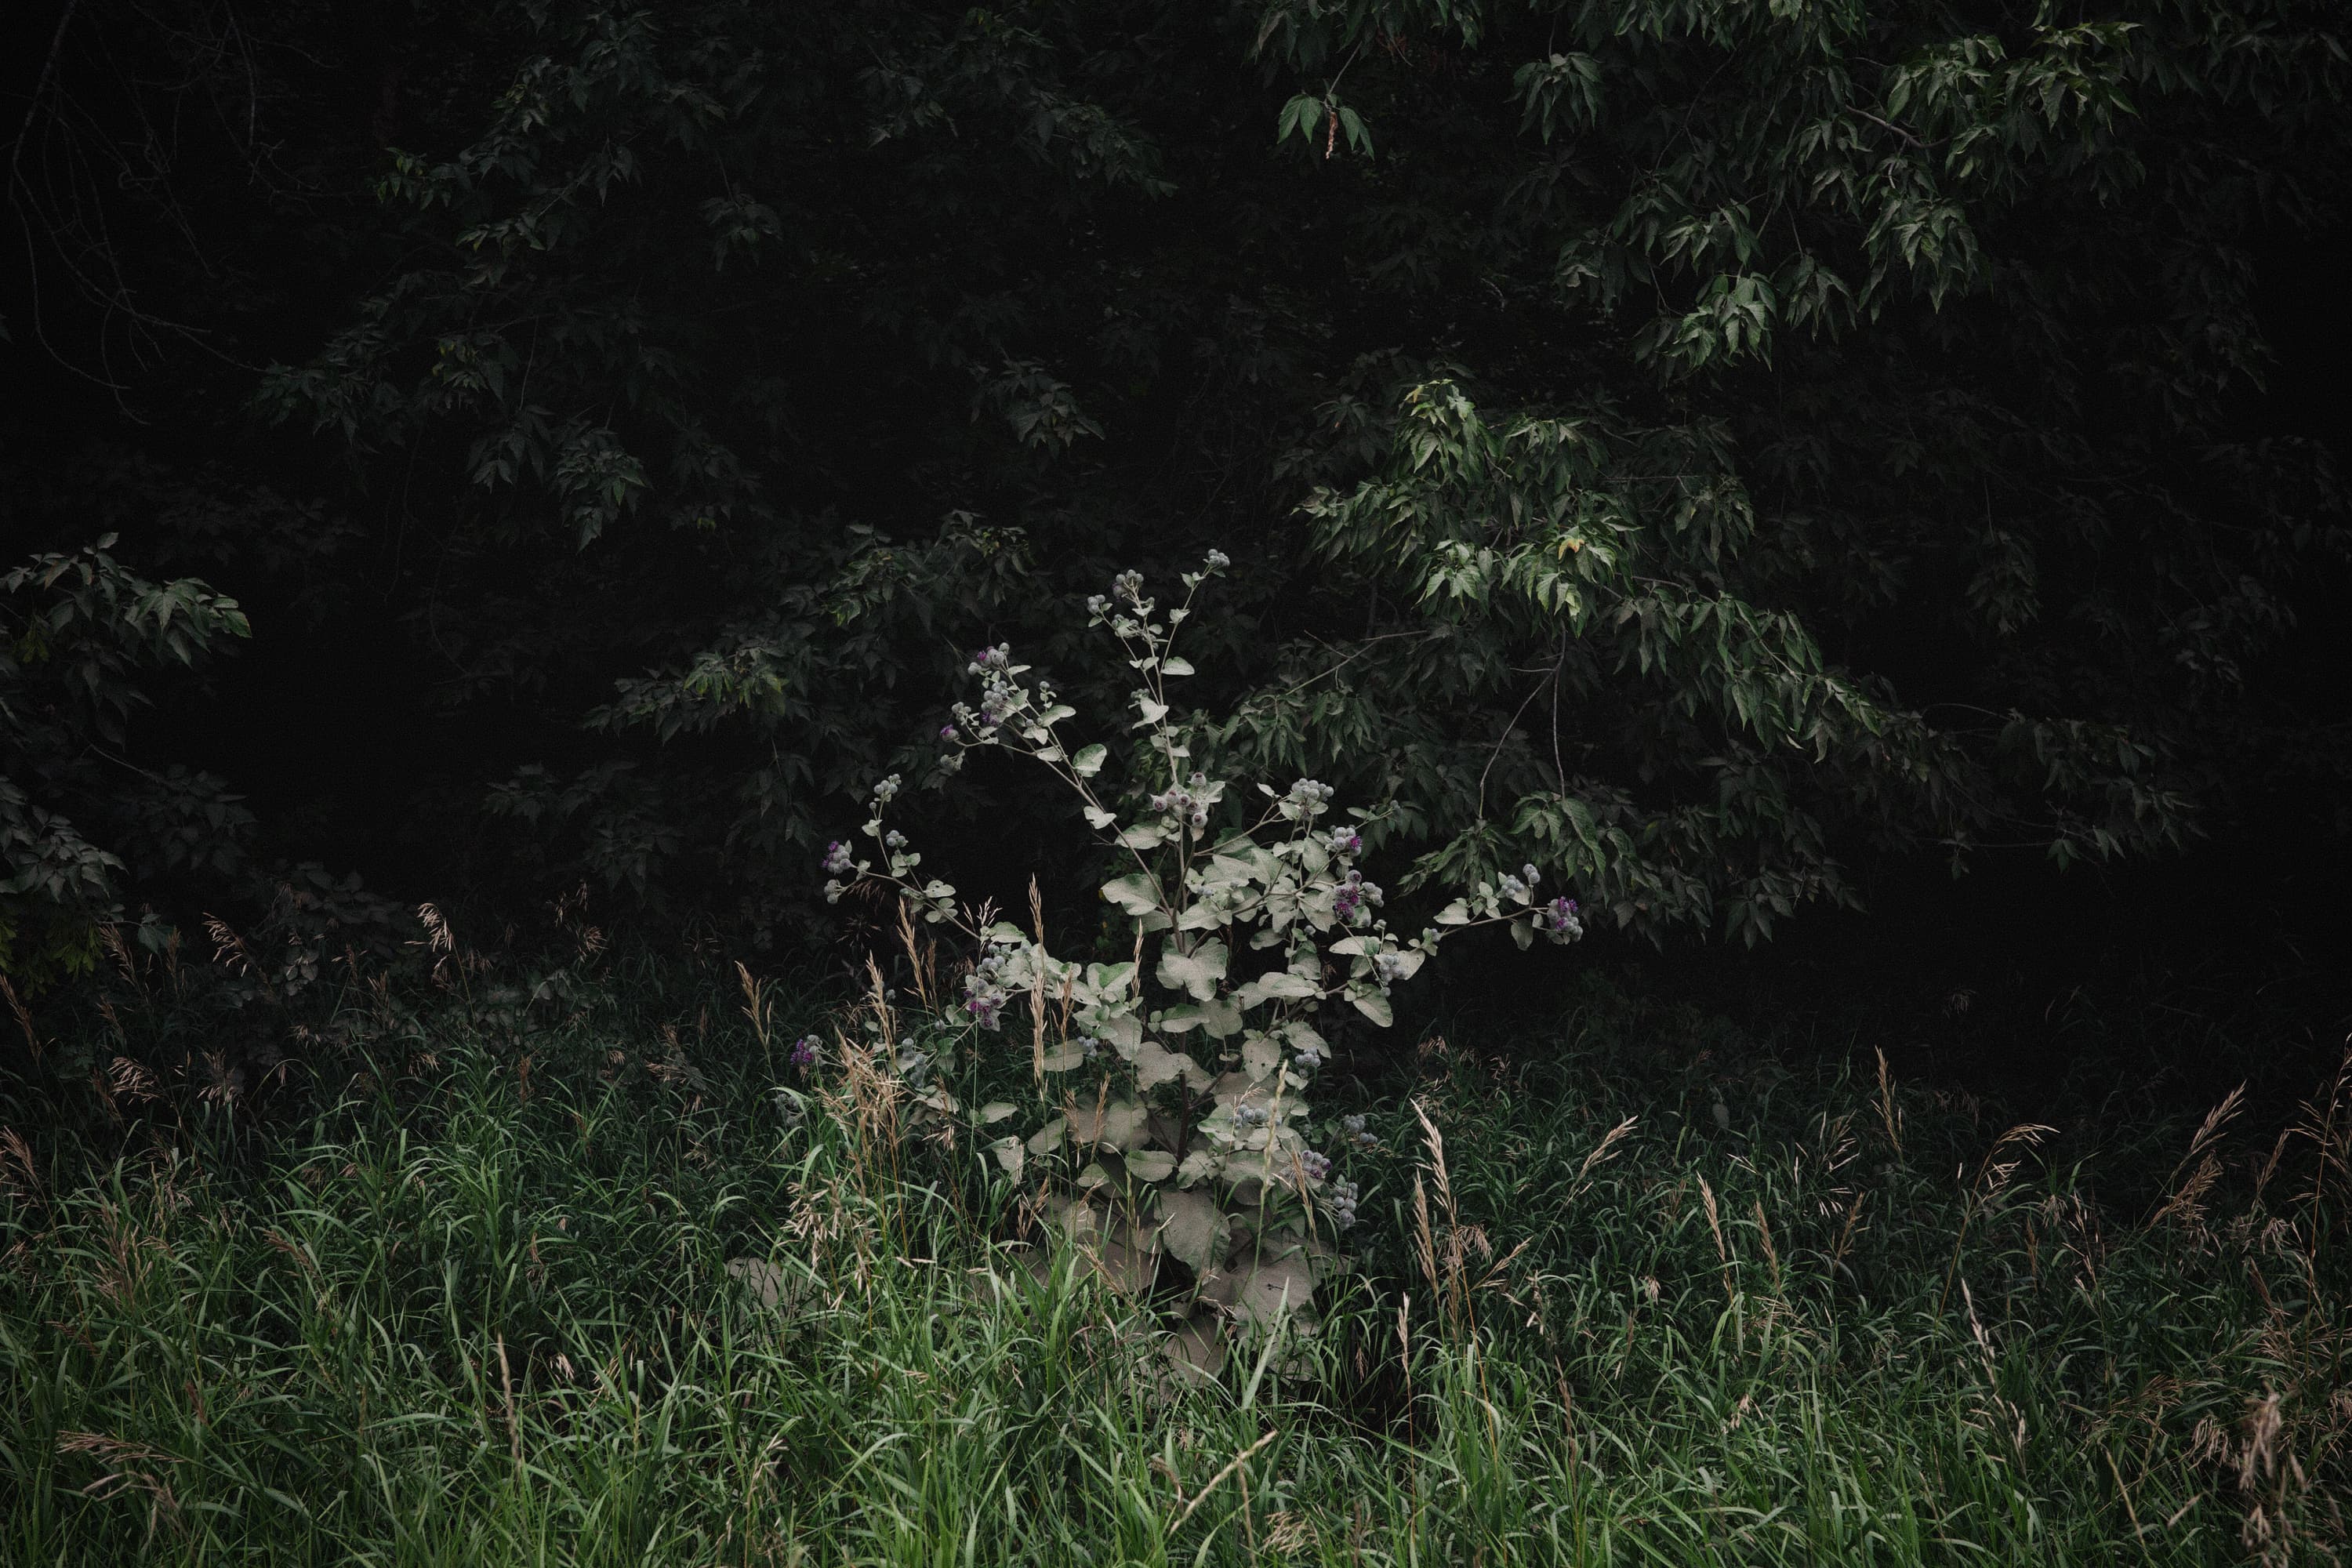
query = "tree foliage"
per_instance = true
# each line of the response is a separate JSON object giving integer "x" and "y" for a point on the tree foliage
{"x": 77, "y": 631}
{"x": 1702, "y": 449}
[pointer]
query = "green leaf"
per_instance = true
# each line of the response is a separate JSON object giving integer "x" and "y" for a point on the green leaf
{"x": 1115, "y": 1125}
{"x": 1272, "y": 1288}
{"x": 1195, "y": 973}
{"x": 1191, "y": 1226}
{"x": 1087, "y": 763}
{"x": 1155, "y": 1064}
{"x": 1277, "y": 986}
{"x": 1136, "y": 894}
{"x": 1222, "y": 1018}
{"x": 1260, "y": 1055}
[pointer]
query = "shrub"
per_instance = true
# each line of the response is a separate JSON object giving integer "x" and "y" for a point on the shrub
{"x": 1250, "y": 916}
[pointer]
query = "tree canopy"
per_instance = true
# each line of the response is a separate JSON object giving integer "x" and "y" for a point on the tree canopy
{"x": 1702, "y": 449}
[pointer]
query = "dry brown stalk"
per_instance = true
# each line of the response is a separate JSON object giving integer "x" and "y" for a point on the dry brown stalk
{"x": 1771, "y": 1257}
{"x": 1993, "y": 1178}
{"x": 1238, "y": 1461}
{"x": 2187, "y": 1200}
{"x": 1722, "y": 1250}
{"x": 24, "y": 1018}
{"x": 1886, "y": 1110}
{"x": 19, "y": 1176}
{"x": 130, "y": 1466}
{"x": 1038, "y": 987}
{"x": 1847, "y": 1232}
{"x": 756, "y": 1005}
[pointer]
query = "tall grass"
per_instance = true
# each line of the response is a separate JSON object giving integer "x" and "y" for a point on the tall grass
{"x": 592, "y": 1294}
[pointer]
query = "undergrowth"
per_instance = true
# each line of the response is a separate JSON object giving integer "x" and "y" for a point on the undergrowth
{"x": 575, "y": 1284}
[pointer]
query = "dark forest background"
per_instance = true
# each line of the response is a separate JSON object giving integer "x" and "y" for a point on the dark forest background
{"x": 1853, "y": 491}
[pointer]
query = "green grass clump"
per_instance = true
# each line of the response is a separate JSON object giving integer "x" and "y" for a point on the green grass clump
{"x": 482, "y": 1311}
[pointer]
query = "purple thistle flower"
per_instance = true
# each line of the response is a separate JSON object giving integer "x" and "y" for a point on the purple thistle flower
{"x": 803, "y": 1055}
{"x": 1560, "y": 920}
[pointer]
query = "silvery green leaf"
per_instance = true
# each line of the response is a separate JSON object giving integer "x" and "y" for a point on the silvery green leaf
{"x": 1056, "y": 713}
{"x": 1115, "y": 1125}
{"x": 1064, "y": 1059}
{"x": 1274, "y": 1289}
{"x": 1454, "y": 914}
{"x": 1191, "y": 1226}
{"x": 1152, "y": 709}
{"x": 1123, "y": 1030}
{"x": 1172, "y": 665}
{"x": 1260, "y": 1054}
{"x": 1228, "y": 870}
{"x": 1375, "y": 1006}
{"x": 1236, "y": 1088}
{"x": 1011, "y": 1155}
{"x": 1098, "y": 819}
{"x": 1048, "y": 753}
{"x": 1086, "y": 764}
{"x": 1195, "y": 973}
{"x": 1136, "y": 894}
{"x": 1105, "y": 981}
{"x": 1150, "y": 1165}
{"x": 1352, "y": 946}
{"x": 1277, "y": 984}
{"x": 1155, "y": 1064}
{"x": 1143, "y": 836}
{"x": 1524, "y": 933}
{"x": 996, "y": 1111}
{"x": 1049, "y": 1137}
{"x": 1200, "y": 1162}
{"x": 1204, "y": 916}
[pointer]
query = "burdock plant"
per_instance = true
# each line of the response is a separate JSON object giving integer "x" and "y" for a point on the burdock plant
{"x": 1171, "y": 1115}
